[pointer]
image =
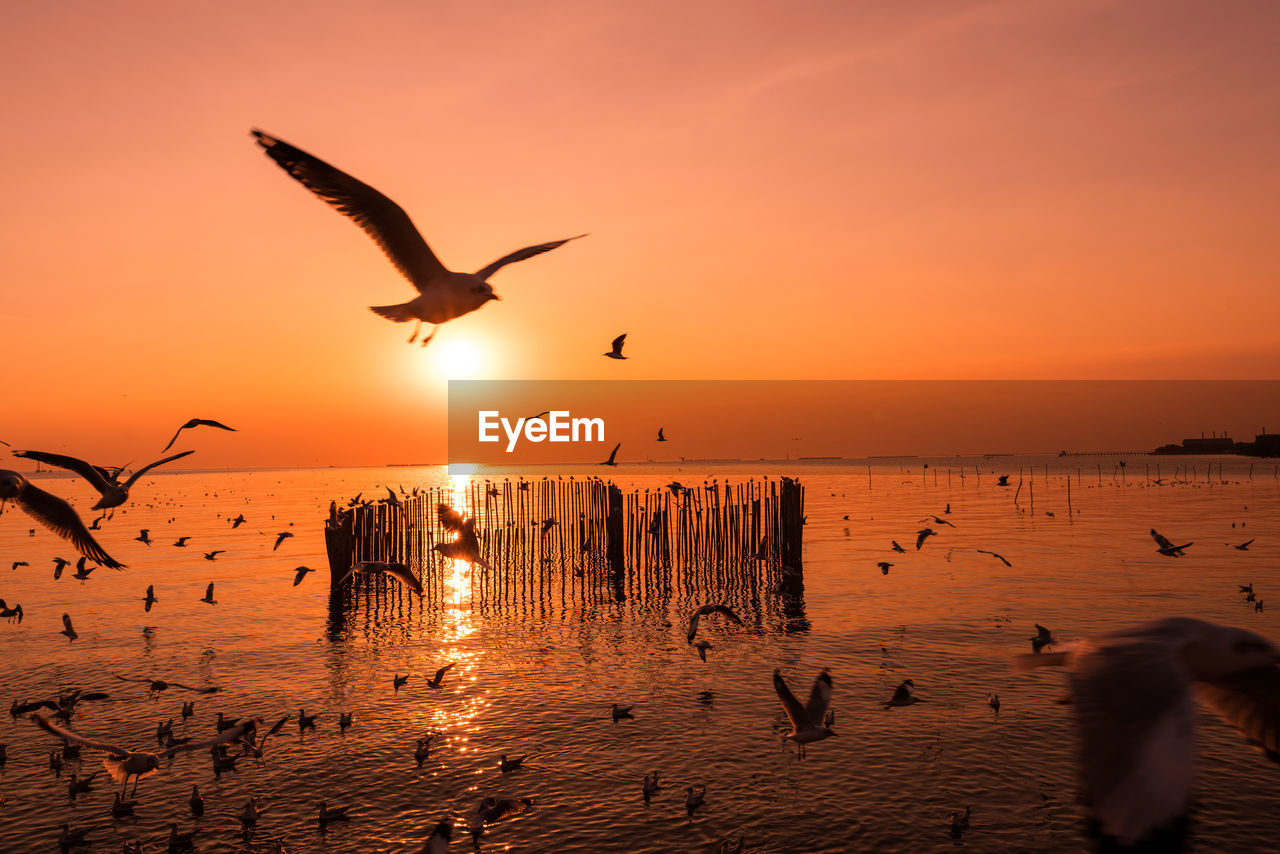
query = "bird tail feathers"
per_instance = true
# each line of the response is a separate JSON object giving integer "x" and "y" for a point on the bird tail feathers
{"x": 395, "y": 313}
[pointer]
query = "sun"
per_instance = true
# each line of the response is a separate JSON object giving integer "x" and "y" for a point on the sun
{"x": 456, "y": 358}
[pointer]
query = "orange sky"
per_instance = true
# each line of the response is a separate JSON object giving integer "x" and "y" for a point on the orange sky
{"x": 816, "y": 190}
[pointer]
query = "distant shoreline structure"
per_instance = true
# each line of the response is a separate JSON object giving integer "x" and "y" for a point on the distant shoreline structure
{"x": 1263, "y": 445}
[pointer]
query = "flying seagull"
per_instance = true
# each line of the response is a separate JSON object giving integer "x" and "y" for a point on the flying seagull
{"x": 922, "y": 535}
{"x": 1165, "y": 547}
{"x": 661, "y": 436}
{"x": 198, "y": 422}
{"x": 280, "y": 538}
{"x": 54, "y": 513}
{"x": 1135, "y": 712}
{"x": 155, "y": 686}
{"x": 706, "y": 611}
{"x": 301, "y": 574}
{"x": 1244, "y": 547}
{"x": 122, "y": 764}
{"x": 465, "y": 546}
{"x": 615, "y": 349}
{"x": 613, "y": 456}
{"x": 1043, "y": 638}
{"x": 113, "y": 492}
{"x": 398, "y": 571}
{"x": 807, "y": 721}
{"x": 442, "y": 294}
{"x": 995, "y": 555}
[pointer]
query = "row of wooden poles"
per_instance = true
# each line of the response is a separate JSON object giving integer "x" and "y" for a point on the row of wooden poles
{"x": 582, "y": 540}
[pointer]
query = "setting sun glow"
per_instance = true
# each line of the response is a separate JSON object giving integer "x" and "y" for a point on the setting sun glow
{"x": 455, "y": 358}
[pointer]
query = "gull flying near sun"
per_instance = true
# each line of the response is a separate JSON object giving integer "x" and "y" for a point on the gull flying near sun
{"x": 442, "y": 294}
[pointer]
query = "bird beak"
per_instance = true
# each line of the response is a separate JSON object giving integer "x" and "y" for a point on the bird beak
{"x": 494, "y": 296}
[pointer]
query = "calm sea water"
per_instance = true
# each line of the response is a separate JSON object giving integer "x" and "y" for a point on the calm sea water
{"x": 540, "y": 680}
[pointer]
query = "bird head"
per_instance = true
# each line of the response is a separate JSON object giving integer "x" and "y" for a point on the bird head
{"x": 484, "y": 291}
{"x": 10, "y": 485}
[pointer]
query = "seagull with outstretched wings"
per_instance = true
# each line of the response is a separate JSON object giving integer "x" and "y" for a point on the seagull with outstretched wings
{"x": 808, "y": 722}
{"x": 442, "y": 294}
{"x": 113, "y": 492}
{"x": 198, "y": 422}
{"x": 54, "y": 513}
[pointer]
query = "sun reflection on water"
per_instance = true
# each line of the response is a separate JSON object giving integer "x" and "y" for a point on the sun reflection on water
{"x": 456, "y": 721}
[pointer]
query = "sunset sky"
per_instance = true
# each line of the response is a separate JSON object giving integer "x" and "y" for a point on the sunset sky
{"x": 839, "y": 190}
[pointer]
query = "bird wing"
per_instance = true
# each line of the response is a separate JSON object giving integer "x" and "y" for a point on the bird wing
{"x": 819, "y": 699}
{"x": 130, "y": 678}
{"x": 89, "y": 472}
{"x": 520, "y": 255}
{"x": 379, "y": 217}
{"x": 1042, "y": 633}
{"x": 902, "y": 692}
{"x": 1160, "y": 539}
{"x": 1135, "y": 713}
{"x": 401, "y": 572}
{"x": 59, "y": 517}
{"x": 450, "y": 519}
{"x": 443, "y": 670}
{"x": 795, "y": 712}
{"x": 140, "y": 472}
{"x": 223, "y": 737}
{"x": 1250, "y": 701}
{"x": 53, "y": 729}
{"x": 726, "y": 611}
{"x": 208, "y": 591}
{"x": 614, "y": 452}
{"x": 694, "y": 618}
{"x": 618, "y": 342}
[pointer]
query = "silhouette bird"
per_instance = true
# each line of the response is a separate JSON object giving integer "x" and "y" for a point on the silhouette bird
{"x": 924, "y": 534}
{"x": 122, "y": 764}
{"x": 1165, "y": 547}
{"x": 884, "y": 566}
{"x": 1002, "y": 480}
{"x": 113, "y": 493}
{"x": 55, "y": 514}
{"x": 1134, "y": 704}
{"x": 437, "y": 681}
{"x": 155, "y": 686}
{"x": 1244, "y": 547}
{"x": 67, "y": 629}
{"x": 213, "y": 555}
{"x": 808, "y": 722}
{"x": 903, "y": 695}
{"x": 1042, "y": 639}
{"x": 897, "y": 548}
{"x": 208, "y": 595}
{"x": 613, "y": 456}
{"x": 615, "y": 349}
{"x": 197, "y": 422}
{"x": 442, "y": 295}
{"x": 301, "y": 573}
{"x": 398, "y": 571}
{"x": 181, "y": 542}
{"x": 621, "y": 712}
{"x": 661, "y": 436}
{"x": 465, "y": 546}
{"x": 144, "y": 536}
{"x": 280, "y": 538}
{"x": 999, "y": 557}
{"x": 706, "y": 611}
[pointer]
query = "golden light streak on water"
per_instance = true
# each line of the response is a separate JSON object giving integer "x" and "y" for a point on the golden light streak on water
{"x": 457, "y": 724}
